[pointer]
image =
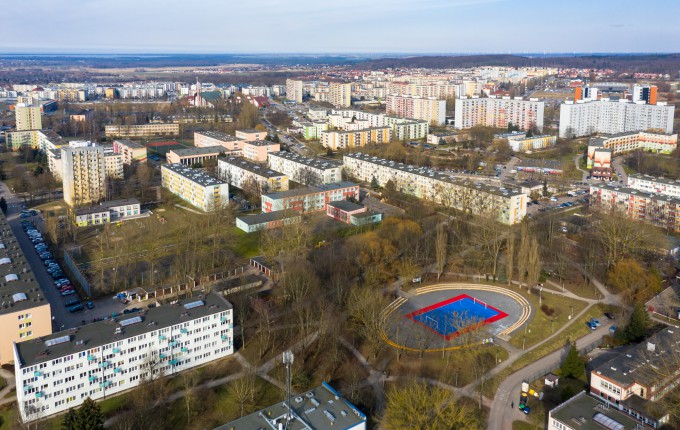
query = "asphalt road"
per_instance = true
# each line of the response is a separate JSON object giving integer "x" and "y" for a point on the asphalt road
{"x": 61, "y": 317}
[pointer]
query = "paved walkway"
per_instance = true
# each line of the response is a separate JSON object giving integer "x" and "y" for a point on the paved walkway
{"x": 9, "y": 377}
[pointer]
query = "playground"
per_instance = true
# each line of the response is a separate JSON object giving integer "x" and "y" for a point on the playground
{"x": 452, "y": 316}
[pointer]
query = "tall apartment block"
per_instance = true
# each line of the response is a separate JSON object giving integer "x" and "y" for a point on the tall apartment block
{"x": 429, "y": 109}
{"x": 195, "y": 186}
{"x": 340, "y": 94}
{"x": 645, "y": 93}
{"x": 84, "y": 174}
{"x": 27, "y": 117}
{"x": 307, "y": 171}
{"x": 59, "y": 371}
{"x": 498, "y": 112}
{"x": 25, "y": 313}
{"x": 294, "y": 90}
{"x": 611, "y": 117}
{"x": 509, "y": 205}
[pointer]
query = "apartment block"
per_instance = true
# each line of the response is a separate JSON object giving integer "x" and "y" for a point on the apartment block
{"x": 310, "y": 198}
{"x": 142, "y": 130}
{"x": 241, "y": 173}
{"x": 191, "y": 156}
{"x": 477, "y": 198}
{"x": 36, "y": 139}
{"x": 27, "y": 117}
{"x": 294, "y": 90}
{"x": 312, "y": 130}
{"x": 259, "y": 150}
{"x": 250, "y": 134}
{"x": 132, "y": 152}
{"x": 105, "y": 212}
{"x": 204, "y": 139}
{"x": 307, "y": 171}
{"x": 25, "y": 313}
{"x": 659, "y": 210}
{"x": 321, "y": 408}
{"x": 428, "y": 109}
{"x": 437, "y": 90}
{"x": 626, "y": 142}
{"x": 402, "y": 128}
{"x": 498, "y": 112}
{"x": 605, "y": 116}
{"x": 98, "y": 360}
{"x": 195, "y": 186}
{"x": 340, "y": 94}
{"x": 650, "y": 184}
{"x": 113, "y": 165}
{"x": 351, "y": 139}
{"x": 519, "y": 142}
{"x": 83, "y": 173}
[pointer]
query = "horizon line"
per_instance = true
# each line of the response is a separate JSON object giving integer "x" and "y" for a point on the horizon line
{"x": 513, "y": 53}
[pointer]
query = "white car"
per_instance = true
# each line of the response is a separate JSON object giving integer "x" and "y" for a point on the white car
{"x": 553, "y": 199}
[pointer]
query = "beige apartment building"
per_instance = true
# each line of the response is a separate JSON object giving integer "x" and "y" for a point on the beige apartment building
{"x": 27, "y": 117}
{"x": 340, "y": 94}
{"x": 131, "y": 151}
{"x": 356, "y": 138}
{"x": 142, "y": 130}
{"x": 84, "y": 174}
{"x": 195, "y": 186}
{"x": 204, "y": 139}
{"x": 239, "y": 173}
{"x": 259, "y": 149}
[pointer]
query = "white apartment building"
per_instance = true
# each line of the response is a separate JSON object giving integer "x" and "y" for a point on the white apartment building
{"x": 339, "y": 94}
{"x": 429, "y": 109}
{"x": 612, "y": 117}
{"x": 27, "y": 117}
{"x": 83, "y": 173}
{"x": 203, "y": 139}
{"x": 59, "y": 371}
{"x": 402, "y": 128}
{"x": 195, "y": 186}
{"x": 626, "y": 142}
{"x": 307, "y": 171}
{"x": 294, "y": 90}
{"x": 650, "y": 184}
{"x": 239, "y": 173}
{"x": 439, "y": 90}
{"x": 142, "y": 130}
{"x": 509, "y": 204}
{"x": 498, "y": 112}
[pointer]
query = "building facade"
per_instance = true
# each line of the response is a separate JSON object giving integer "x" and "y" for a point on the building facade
{"x": 340, "y": 94}
{"x": 294, "y": 90}
{"x": 498, "y": 112}
{"x": 309, "y": 199}
{"x": 267, "y": 220}
{"x": 307, "y": 171}
{"x": 428, "y": 109}
{"x": 250, "y": 134}
{"x": 352, "y": 139}
{"x": 477, "y": 198}
{"x": 105, "y": 212}
{"x": 626, "y": 142}
{"x": 584, "y": 118}
{"x": 259, "y": 150}
{"x": 132, "y": 152}
{"x": 204, "y": 139}
{"x": 195, "y": 186}
{"x": 83, "y": 174}
{"x": 27, "y": 117}
{"x": 142, "y": 130}
{"x": 519, "y": 142}
{"x": 191, "y": 156}
{"x": 241, "y": 173}
{"x": 102, "y": 359}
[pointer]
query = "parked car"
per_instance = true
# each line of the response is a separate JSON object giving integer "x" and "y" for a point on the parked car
{"x": 68, "y": 293}
{"x": 591, "y": 325}
{"x": 595, "y": 322}
{"x": 612, "y": 329}
{"x": 72, "y": 302}
{"x": 75, "y": 308}
{"x": 90, "y": 305}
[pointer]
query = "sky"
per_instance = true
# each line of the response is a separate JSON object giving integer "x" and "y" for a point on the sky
{"x": 332, "y": 26}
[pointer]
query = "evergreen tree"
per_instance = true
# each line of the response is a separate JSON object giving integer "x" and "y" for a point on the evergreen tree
{"x": 70, "y": 420}
{"x": 636, "y": 329}
{"x": 374, "y": 183}
{"x": 573, "y": 366}
{"x": 90, "y": 416}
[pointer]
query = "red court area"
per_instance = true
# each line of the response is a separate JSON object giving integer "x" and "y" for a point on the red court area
{"x": 460, "y": 314}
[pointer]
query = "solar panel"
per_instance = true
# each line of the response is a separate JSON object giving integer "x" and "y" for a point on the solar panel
{"x": 130, "y": 321}
{"x": 195, "y": 304}
{"x": 607, "y": 422}
{"x": 57, "y": 340}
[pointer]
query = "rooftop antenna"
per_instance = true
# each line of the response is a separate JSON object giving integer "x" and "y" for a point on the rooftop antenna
{"x": 288, "y": 359}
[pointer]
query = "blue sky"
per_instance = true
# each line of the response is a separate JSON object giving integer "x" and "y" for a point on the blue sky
{"x": 331, "y": 26}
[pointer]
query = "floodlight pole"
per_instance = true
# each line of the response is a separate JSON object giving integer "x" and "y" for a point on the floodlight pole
{"x": 288, "y": 359}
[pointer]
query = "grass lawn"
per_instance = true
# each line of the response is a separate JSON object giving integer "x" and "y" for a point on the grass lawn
{"x": 540, "y": 326}
{"x": 244, "y": 244}
{"x": 521, "y": 425}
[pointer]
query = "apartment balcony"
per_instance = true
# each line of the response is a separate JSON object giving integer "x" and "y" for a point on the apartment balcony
{"x": 37, "y": 373}
{"x": 39, "y": 394}
{"x": 116, "y": 350}
{"x": 184, "y": 331}
{"x": 92, "y": 378}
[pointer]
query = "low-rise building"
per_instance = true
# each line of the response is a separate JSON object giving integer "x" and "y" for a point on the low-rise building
{"x": 541, "y": 167}
{"x": 307, "y": 171}
{"x": 471, "y": 197}
{"x": 195, "y": 186}
{"x": 25, "y": 313}
{"x": 520, "y": 142}
{"x": 204, "y": 139}
{"x": 352, "y": 213}
{"x": 267, "y": 220}
{"x": 59, "y": 371}
{"x": 142, "y": 130}
{"x": 583, "y": 412}
{"x": 321, "y": 408}
{"x": 192, "y": 156}
{"x": 309, "y": 199}
{"x": 356, "y": 138}
{"x": 132, "y": 152}
{"x": 250, "y": 134}
{"x": 441, "y": 138}
{"x": 241, "y": 173}
{"x": 105, "y": 212}
{"x": 258, "y": 150}
{"x": 625, "y": 142}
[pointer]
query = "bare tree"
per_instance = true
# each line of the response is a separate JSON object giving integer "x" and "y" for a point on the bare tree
{"x": 441, "y": 248}
{"x": 510, "y": 256}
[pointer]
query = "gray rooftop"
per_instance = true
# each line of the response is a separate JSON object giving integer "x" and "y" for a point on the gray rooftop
{"x": 431, "y": 173}
{"x": 634, "y": 192}
{"x": 130, "y": 143}
{"x": 665, "y": 181}
{"x": 321, "y": 408}
{"x": 310, "y": 190}
{"x": 104, "y": 332}
{"x": 120, "y": 202}
{"x": 579, "y": 412}
{"x": 647, "y": 363}
{"x": 251, "y": 167}
{"x": 206, "y": 150}
{"x": 316, "y": 163}
{"x": 195, "y": 175}
{"x": 26, "y": 284}
{"x": 260, "y": 143}
{"x": 346, "y": 206}
{"x": 218, "y": 135}
{"x": 539, "y": 163}
{"x": 265, "y": 217}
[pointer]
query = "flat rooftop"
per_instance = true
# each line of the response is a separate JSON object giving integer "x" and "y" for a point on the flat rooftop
{"x": 23, "y": 292}
{"x": 260, "y": 143}
{"x": 316, "y": 163}
{"x": 206, "y": 150}
{"x": 321, "y": 408}
{"x": 265, "y": 217}
{"x": 104, "y": 332}
{"x": 437, "y": 175}
{"x": 218, "y": 135}
{"x": 251, "y": 167}
{"x": 130, "y": 143}
{"x": 665, "y": 181}
{"x": 310, "y": 190}
{"x": 195, "y": 175}
{"x": 346, "y": 206}
{"x": 634, "y": 192}
{"x": 119, "y": 202}
{"x": 581, "y": 411}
